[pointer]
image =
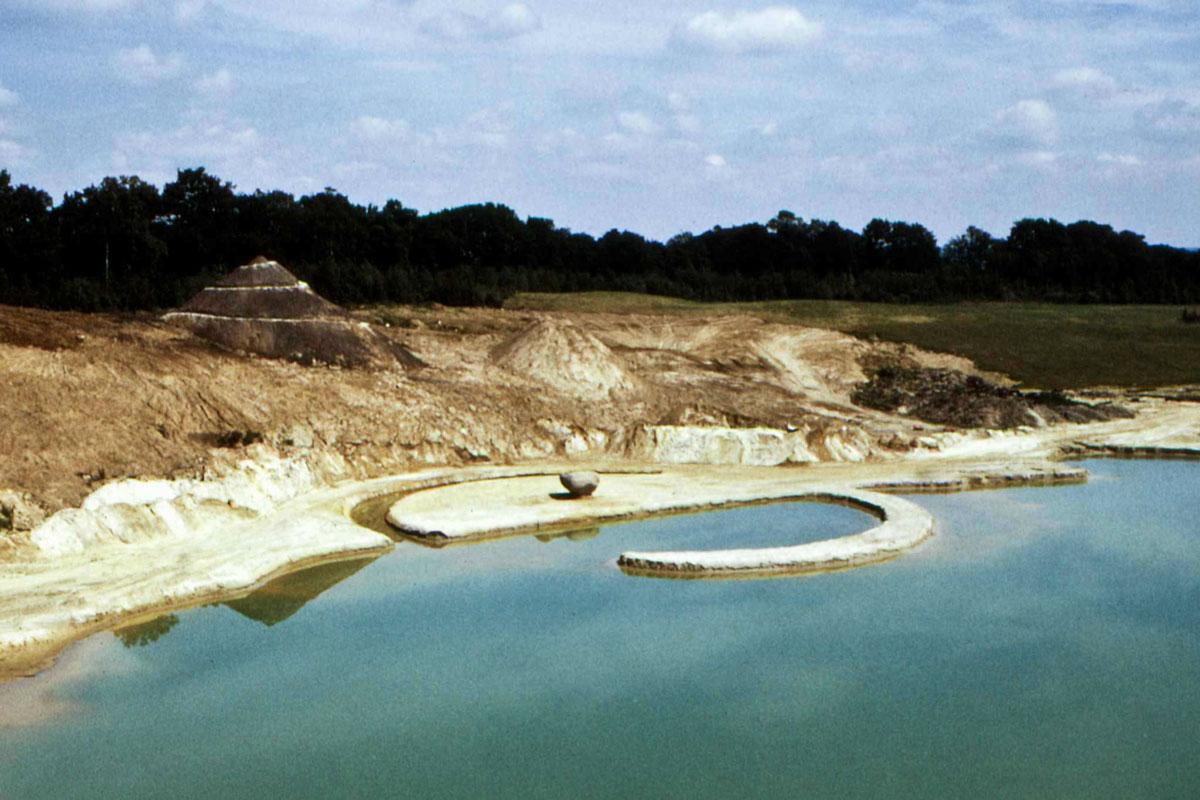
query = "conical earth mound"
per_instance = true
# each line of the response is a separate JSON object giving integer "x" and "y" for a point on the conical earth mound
{"x": 566, "y": 358}
{"x": 263, "y": 308}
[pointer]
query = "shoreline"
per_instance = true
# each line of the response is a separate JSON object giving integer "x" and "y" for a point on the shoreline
{"x": 109, "y": 583}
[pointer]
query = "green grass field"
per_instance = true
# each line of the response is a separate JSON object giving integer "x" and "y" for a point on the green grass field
{"x": 1042, "y": 345}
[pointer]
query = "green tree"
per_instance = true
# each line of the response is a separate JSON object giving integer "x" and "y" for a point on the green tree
{"x": 109, "y": 245}
{"x": 28, "y": 245}
{"x": 197, "y": 217}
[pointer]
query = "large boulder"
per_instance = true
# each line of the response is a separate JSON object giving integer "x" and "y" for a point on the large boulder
{"x": 579, "y": 484}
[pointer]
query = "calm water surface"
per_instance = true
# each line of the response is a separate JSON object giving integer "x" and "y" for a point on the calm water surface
{"x": 1045, "y": 644}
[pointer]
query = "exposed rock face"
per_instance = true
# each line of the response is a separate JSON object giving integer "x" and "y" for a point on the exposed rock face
{"x": 768, "y": 447}
{"x": 579, "y": 484}
{"x": 135, "y": 510}
{"x": 19, "y": 512}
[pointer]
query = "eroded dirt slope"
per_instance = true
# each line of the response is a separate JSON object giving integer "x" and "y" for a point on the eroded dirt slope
{"x": 89, "y": 398}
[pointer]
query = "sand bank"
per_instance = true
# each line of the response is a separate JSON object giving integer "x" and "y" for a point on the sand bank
{"x": 141, "y": 547}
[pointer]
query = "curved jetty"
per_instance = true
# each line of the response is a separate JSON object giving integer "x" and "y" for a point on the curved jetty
{"x": 904, "y": 525}
{"x": 483, "y": 509}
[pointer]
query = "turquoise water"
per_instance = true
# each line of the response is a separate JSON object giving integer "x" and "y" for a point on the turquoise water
{"x": 1045, "y": 644}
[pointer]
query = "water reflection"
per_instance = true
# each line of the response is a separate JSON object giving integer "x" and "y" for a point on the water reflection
{"x": 1044, "y": 644}
{"x": 144, "y": 633}
{"x": 271, "y": 604}
{"x": 573, "y": 535}
{"x": 283, "y": 597}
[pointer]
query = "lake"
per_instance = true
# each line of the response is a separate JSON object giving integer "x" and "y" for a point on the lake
{"x": 1046, "y": 643}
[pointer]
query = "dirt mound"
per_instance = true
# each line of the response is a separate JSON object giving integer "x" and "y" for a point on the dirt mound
{"x": 815, "y": 364}
{"x": 261, "y": 271}
{"x": 950, "y": 397}
{"x": 262, "y": 302}
{"x": 262, "y": 308}
{"x": 565, "y": 357}
{"x": 265, "y": 290}
{"x": 818, "y": 365}
{"x": 343, "y": 343}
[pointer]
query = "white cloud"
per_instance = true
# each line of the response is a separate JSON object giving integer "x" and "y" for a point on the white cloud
{"x": 8, "y": 97}
{"x": 1119, "y": 159}
{"x": 188, "y": 10}
{"x": 1028, "y": 122}
{"x": 771, "y": 28}
{"x": 680, "y": 106}
{"x": 638, "y": 122}
{"x": 11, "y": 152}
{"x": 514, "y": 19}
{"x": 1038, "y": 158}
{"x": 374, "y": 129}
{"x": 141, "y": 66}
{"x": 488, "y": 127}
{"x": 1086, "y": 81}
{"x": 715, "y": 160}
{"x": 85, "y": 5}
{"x": 211, "y": 141}
{"x": 216, "y": 84}
{"x": 1171, "y": 120}
{"x": 444, "y": 146}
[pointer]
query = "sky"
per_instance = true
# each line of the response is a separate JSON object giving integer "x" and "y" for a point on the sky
{"x": 655, "y": 117}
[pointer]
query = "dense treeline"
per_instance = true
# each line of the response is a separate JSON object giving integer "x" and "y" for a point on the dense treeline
{"x": 124, "y": 244}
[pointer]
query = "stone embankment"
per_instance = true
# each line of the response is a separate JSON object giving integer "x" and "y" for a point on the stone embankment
{"x": 474, "y": 510}
{"x": 903, "y": 525}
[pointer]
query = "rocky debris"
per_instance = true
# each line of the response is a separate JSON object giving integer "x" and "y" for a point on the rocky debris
{"x": 19, "y": 512}
{"x": 579, "y": 484}
{"x": 956, "y": 399}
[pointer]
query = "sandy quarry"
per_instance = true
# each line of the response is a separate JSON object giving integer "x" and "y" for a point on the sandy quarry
{"x": 92, "y": 398}
{"x": 147, "y": 469}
